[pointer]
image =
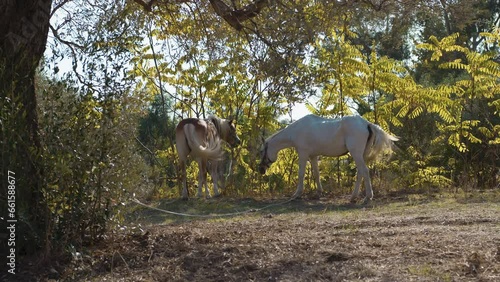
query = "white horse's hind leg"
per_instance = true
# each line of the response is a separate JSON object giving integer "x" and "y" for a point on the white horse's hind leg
{"x": 315, "y": 169}
{"x": 362, "y": 173}
{"x": 368, "y": 185}
{"x": 356, "y": 148}
{"x": 359, "y": 180}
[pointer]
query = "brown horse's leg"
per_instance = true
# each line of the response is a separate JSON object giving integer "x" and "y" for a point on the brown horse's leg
{"x": 183, "y": 151}
{"x": 202, "y": 178}
{"x": 183, "y": 179}
{"x": 214, "y": 173}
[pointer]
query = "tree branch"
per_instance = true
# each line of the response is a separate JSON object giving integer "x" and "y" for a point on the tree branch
{"x": 58, "y": 6}
{"x": 68, "y": 43}
{"x": 376, "y": 5}
{"x": 147, "y": 4}
{"x": 235, "y": 17}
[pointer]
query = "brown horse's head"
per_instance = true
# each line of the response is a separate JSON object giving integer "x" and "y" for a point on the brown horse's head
{"x": 227, "y": 130}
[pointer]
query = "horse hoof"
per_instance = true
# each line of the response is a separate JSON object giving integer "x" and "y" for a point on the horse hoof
{"x": 316, "y": 196}
{"x": 367, "y": 201}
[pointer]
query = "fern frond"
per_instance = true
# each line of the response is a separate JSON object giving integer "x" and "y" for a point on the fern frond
{"x": 436, "y": 55}
{"x": 454, "y": 140}
{"x": 456, "y": 48}
{"x": 427, "y": 46}
{"x": 416, "y": 112}
{"x": 442, "y": 112}
{"x": 457, "y": 65}
{"x": 403, "y": 111}
{"x": 472, "y": 138}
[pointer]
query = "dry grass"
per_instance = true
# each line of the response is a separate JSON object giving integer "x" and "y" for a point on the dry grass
{"x": 414, "y": 239}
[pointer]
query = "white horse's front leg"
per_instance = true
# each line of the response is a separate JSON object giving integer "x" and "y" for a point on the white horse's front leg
{"x": 315, "y": 169}
{"x": 302, "y": 171}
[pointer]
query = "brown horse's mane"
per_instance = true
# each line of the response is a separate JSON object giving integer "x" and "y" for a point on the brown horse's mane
{"x": 217, "y": 123}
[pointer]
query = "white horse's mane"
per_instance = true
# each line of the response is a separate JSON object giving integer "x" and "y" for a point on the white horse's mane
{"x": 275, "y": 134}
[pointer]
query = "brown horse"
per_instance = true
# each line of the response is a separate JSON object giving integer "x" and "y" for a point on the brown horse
{"x": 202, "y": 139}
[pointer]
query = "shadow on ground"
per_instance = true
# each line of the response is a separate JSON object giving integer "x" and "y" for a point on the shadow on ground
{"x": 176, "y": 210}
{"x": 169, "y": 211}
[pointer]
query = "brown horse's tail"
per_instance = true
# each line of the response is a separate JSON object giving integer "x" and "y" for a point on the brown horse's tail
{"x": 379, "y": 142}
{"x": 210, "y": 149}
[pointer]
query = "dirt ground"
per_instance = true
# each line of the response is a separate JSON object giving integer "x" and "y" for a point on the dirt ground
{"x": 410, "y": 239}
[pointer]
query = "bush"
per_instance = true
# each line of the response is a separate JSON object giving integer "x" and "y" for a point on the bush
{"x": 90, "y": 158}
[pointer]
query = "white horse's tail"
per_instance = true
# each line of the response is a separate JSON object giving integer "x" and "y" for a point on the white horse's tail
{"x": 212, "y": 150}
{"x": 378, "y": 144}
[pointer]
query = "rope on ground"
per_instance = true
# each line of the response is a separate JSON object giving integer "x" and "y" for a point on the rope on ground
{"x": 212, "y": 215}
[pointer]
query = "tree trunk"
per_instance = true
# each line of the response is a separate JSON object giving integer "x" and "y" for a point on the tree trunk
{"x": 24, "y": 28}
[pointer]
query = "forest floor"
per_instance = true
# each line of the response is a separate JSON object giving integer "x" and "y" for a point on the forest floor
{"x": 411, "y": 238}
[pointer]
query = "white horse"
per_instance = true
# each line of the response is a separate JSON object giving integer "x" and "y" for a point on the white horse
{"x": 202, "y": 139}
{"x": 314, "y": 136}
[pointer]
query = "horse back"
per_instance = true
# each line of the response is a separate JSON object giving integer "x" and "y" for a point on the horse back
{"x": 181, "y": 141}
{"x": 329, "y": 137}
{"x": 198, "y": 137}
{"x": 198, "y": 124}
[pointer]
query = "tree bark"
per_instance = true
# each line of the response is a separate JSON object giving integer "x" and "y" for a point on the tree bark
{"x": 24, "y": 28}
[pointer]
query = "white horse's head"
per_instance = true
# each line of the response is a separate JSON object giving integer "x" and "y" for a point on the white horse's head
{"x": 265, "y": 161}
